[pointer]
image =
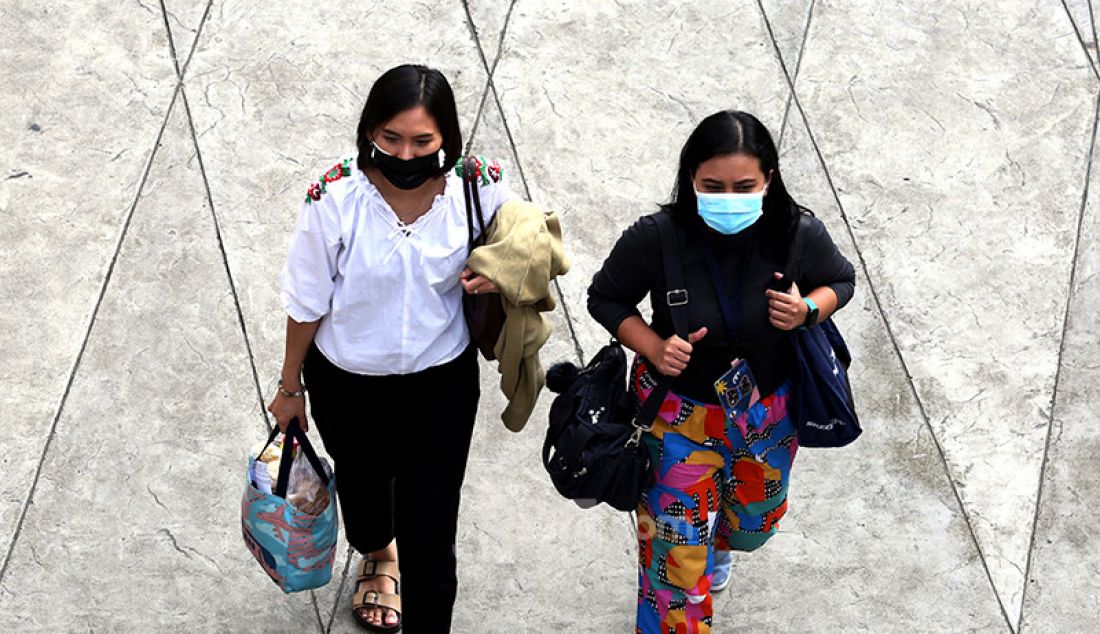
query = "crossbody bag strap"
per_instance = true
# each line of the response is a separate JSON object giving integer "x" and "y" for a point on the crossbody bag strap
{"x": 793, "y": 267}
{"x": 676, "y": 297}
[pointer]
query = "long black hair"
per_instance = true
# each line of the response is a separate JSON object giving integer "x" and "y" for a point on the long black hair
{"x": 404, "y": 87}
{"x": 735, "y": 132}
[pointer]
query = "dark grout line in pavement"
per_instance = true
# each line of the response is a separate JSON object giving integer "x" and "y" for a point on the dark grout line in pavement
{"x": 171, "y": 40}
{"x": 210, "y": 201}
{"x": 349, "y": 555}
{"x": 1081, "y": 38}
{"x": 1092, "y": 23}
{"x": 477, "y": 119}
{"x": 1061, "y": 352}
{"x": 797, "y": 68}
{"x": 218, "y": 232}
{"x": 577, "y": 349}
{"x": 198, "y": 36}
{"x": 225, "y": 261}
{"x": 491, "y": 86}
{"x": 317, "y": 611}
{"x": 87, "y": 334}
{"x": 886, "y": 322}
{"x": 180, "y": 71}
{"x": 490, "y": 69}
{"x": 225, "y": 255}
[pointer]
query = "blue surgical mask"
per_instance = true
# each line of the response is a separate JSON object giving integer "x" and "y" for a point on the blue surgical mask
{"x": 731, "y": 213}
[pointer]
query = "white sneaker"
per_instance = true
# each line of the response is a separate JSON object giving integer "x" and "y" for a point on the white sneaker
{"x": 723, "y": 563}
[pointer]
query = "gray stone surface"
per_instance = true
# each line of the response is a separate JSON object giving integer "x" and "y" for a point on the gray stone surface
{"x": 1064, "y": 584}
{"x": 85, "y": 92}
{"x": 950, "y": 166}
{"x": 839, "y": 547}
{"x": 946, "y": 176}
{"x": 136, "y": 517}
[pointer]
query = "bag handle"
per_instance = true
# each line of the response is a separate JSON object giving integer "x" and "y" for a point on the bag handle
{"x": 294, "y": 431}
{"x": 473, "y": 201}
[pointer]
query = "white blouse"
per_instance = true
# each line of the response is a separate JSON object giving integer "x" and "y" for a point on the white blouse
{"x": 387, "y": 294}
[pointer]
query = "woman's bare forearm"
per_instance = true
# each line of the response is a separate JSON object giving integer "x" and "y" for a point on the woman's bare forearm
{"x": 298, "y": 337}
{"x": 639, "y": 337}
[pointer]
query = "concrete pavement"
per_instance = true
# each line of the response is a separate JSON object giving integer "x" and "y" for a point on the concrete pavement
{"x": 152, "y": 158}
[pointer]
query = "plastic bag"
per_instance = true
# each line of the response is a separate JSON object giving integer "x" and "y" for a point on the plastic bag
{"x": 306, "y": 492}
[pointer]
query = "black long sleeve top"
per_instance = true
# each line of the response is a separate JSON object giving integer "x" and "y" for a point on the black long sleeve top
{"x": 634, "y": 269}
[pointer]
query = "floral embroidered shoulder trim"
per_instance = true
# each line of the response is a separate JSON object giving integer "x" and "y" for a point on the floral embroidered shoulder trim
{"x": 486, "y": 170}
{"x": 318, "y": 189}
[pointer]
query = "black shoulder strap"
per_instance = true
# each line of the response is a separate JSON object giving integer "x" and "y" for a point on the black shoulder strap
{"x": 473, "y": 202}
{"x": 676, "y": 296}
{"x": 793, "y": 267}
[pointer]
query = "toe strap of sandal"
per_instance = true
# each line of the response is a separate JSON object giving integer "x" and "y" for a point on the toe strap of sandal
{"x": 372, "y": 599}
{"x": 371, "y": 568}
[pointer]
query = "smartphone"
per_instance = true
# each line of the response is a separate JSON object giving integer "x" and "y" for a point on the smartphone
{"x": 782, "y": 285}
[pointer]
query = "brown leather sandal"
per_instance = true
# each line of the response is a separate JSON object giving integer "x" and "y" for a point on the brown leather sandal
{"x": 370, "y": 569}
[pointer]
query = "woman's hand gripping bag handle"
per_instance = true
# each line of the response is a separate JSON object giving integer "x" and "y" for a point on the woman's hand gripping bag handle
{"x": 294, "y": 548}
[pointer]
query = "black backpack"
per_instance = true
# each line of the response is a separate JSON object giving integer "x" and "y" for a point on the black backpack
{"x": 593, "y": 449}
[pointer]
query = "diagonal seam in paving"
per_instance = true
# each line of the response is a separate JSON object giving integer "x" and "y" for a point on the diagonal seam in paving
{"x": 221, "y": 247}
{"x": 236, "y": 296}
{"x": 225, "y": 261}
{"x": 485, "y": 63}
{"x": 210, "y": 201}
{"x": 1081, "y": 37}
{"x": 1092, "y": 22}
{"x": 176, "y": 89}
{"x": 885, "y": 319}
{"x": 491, "y": 86}
{"x": 797, "y": 68}
{"x": 317, "y": 612}
{"x": 340, "y": 589}
{"x": 1061, "y": 350}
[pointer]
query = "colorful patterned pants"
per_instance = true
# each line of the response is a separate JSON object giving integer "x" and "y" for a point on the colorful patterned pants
{"x": 720, "y": 485}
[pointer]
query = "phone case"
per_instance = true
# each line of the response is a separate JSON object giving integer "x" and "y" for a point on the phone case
{"x": 736, "y": 389}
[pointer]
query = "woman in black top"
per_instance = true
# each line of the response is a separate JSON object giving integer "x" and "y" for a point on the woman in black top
{"x": 721, "y": 468}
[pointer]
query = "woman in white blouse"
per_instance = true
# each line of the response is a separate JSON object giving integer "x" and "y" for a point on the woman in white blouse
{"x": 373, "y": 291}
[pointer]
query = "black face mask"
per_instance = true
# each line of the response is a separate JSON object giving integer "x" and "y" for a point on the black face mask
{"x": 407, "y": 173}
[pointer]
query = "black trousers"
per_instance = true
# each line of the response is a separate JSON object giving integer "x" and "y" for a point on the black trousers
{"x": 400, "y": 444}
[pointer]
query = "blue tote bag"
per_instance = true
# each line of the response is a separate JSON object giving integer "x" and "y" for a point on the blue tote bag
{"x": 295, "y": 549}
{"x": 821, "y": 402}
{"x": 821, "y": 395}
